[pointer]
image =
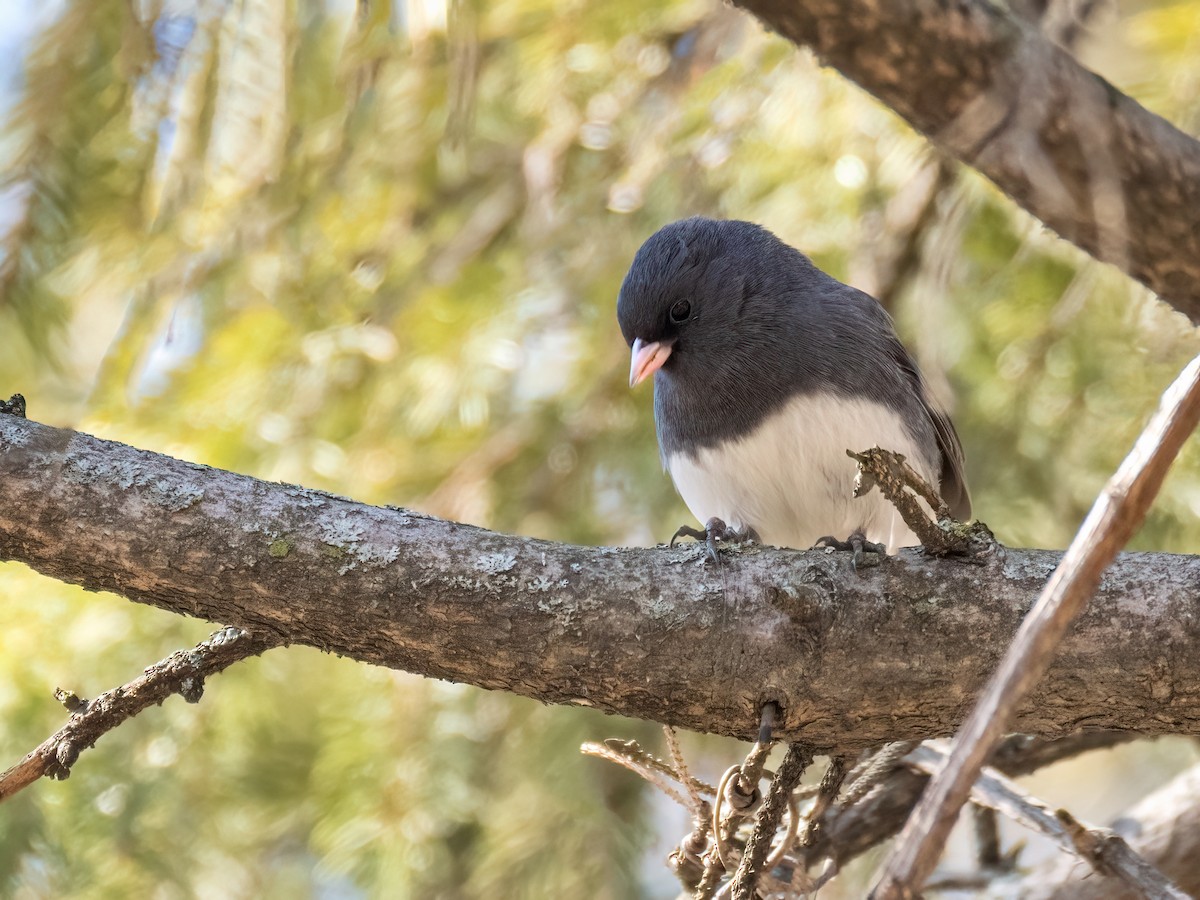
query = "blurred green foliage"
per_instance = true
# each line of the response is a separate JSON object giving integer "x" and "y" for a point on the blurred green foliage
{"x": 375, "y": 249}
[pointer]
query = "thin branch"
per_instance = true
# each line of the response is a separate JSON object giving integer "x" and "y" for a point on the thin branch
{"x": 1115, "y": 516}
{"x": 686, "y": 860}
{"x": 629, "y": 755}
{"x": 1163, "y": 828}
{"x": 987, "y": 838}
{"x": 872, "y": 770}
{"x": 1108, "y": 852}
{"x": 737, "y": 797}
{"x": 183, "y": 673}
{"x": 857, "y": 824}
{"x": 831, "y": 784}
{"x": 787, "y": 776}
{"x": 1105, "y": 850}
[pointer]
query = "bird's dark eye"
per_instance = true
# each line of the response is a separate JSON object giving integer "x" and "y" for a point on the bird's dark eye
{"x": 680, "y": 311}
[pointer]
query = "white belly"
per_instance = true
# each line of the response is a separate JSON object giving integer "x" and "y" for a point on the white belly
{"x": 791, "y": 480}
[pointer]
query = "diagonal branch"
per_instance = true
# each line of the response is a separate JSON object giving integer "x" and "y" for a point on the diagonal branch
{"x": 1163, "y": 828}
{"x": 856, "y": 827}
{"x": 991, "y": 91}
{"x": 1117, "y": 513}
{"x": 183, "y": 673}
{"x": 1101, "y": 848}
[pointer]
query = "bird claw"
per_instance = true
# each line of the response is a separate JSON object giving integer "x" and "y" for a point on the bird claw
{"x": 714, "y": 530}
{"x": 857, "y": 544}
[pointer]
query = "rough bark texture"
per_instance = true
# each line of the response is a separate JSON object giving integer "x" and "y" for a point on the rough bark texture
{"x": 1102, "y": 171}
{"x": 892, "y": 652}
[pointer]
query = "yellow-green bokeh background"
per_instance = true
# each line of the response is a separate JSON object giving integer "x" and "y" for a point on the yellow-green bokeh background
{"x": 375, "y": 249}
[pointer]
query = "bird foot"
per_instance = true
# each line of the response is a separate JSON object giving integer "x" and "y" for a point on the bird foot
{"x": 857, "y": 544}
{"x": 714, "y": 530}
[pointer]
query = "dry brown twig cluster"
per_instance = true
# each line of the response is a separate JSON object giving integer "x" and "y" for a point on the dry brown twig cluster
{"x": 716, "y": 858}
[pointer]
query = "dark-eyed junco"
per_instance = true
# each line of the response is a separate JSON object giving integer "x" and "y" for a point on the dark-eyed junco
{"x": 766, "y": 371}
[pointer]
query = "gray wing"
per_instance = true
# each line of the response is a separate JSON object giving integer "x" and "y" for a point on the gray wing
{"x": 875, "y": 325}
{"x": 953, "y": 480}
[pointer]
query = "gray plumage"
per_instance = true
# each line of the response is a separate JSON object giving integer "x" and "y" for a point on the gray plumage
{"x": 770, "y": 343}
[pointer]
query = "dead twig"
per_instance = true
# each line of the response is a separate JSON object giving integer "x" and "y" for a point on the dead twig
{"x": 905, "y": 490}
{"x": 831, "y": 784}
{"x": 1105, "y": 850}
{"x": 631, "y": 756}
{"x": 754, "y": 860}
{"x": 183, "y": 673}
{"x": 1108, "y": 852}
{"x": 737, "y": 797}
{"x": 1116, "y": 514}
{"x": 987, "y": 838}
{"x": 873, "y": 769}
{"x": 871, "y": 814}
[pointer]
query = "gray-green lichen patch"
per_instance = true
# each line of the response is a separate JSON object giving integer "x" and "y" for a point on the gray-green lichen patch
{"x": 540, "y": 585}
{"x": 659, "y": 608}
{"x": 495, "y": 563}
{"x": 341, "y": 531}
{"x": 306, "y": 498}
{"x": 90, "y": 469}
{"x": 171, "y": 494}
{"x": 353, "y": 544}
{"x": 13, "y": 435}
{"x": 176, "y": 497}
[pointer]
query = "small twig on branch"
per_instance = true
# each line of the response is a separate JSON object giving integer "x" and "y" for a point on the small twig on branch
{"x": 831, "y": 784}
{"x": 787, "y": 777}
{"x": 1115, "y": 516}
{"x": 630, "y": 755}
{"x": 685, "y": 860}
{"x": 987, "y": 838}
{"x": 872, "y": 770}
{"x": 1103, "y": 849}
{"x": 691, "y": 785}
{"x": 736, "y": 799}
{"x": 183, "y": 673}
{"x": 904, "y": 489}
{"x": 633, "y": 752}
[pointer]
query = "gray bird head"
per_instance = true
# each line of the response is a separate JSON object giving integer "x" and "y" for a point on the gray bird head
{"x": 701, "y": 298}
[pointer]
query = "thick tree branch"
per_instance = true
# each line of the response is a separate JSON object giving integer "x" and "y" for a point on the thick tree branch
{"x": 1102, "y": 171}
{"x": 894, "y": 652}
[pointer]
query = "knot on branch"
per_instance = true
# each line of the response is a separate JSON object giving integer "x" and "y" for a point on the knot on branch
{"x": 70, "y": 700}
{"x": 58, "y": 765}
{"x": 13, "y": 406}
